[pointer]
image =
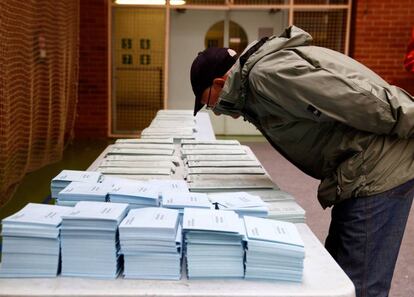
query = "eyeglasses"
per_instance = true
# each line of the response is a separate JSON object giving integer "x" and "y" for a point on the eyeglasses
{"x": 208, "y": 106}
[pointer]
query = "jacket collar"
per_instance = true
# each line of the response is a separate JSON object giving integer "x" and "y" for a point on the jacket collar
{"x": 233, "y": 96}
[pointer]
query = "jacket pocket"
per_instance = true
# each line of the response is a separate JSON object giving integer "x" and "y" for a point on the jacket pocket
{"x": 351, "y": 177}
{"x": 345, "y": 182}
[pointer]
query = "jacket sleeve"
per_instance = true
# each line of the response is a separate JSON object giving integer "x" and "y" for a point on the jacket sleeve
{"x": 319, "y": 94}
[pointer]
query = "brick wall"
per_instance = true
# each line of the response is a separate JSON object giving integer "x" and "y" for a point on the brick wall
{"x": 92, "y": 110}
{"x": 381, "y": 33}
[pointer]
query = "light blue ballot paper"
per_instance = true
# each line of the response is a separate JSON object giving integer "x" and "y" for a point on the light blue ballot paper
{"x": 90, "y": 244}
{"x": 65, "y": 177}
{"x": 31, "y": 244}
{"x": 78, "y": 191}
{"x": 275, "y": 250}
{"x": 241, "y": 202}
{"x": 150, "y": 240}
{"x": 213, "y": 243}
{"x": 181, "y": 200}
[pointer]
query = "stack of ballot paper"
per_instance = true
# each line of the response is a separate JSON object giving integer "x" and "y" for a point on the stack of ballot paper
{"x": 151, "y": 244}
{"x": 90, "y": 245}
{"x": 209, "y": 142}
{"x": 172, "y": 186}
{"x": 288, "y": 211}
{"x": 225, "y": 170}
{"x": 138, "y": 149}
{"x": 141, "y": 140}
{"x": 142, "y": 158}
{"x": 181, "y": 200}
{"x": 177, "y": 118}
{"x": 167, "y": 132}
{"x": 145, "y": 146}
{"x": 79, "y": 191}
{"x": 135, "y": 194}
{"x": 230, "y": 182}
{"x": 169, "y": 123}
{"x": 136, "y": 171}
{"x": 274, "y": 250}
{"x": 213, "y": 243}
{"x": 271, "y": 195}
{"x": 138, "y": 164}
{"x": 31, "y": 243}
{"x": 241, "y": 202}
{"x": 194, "y": 160}
{"x": 65, "y": 177}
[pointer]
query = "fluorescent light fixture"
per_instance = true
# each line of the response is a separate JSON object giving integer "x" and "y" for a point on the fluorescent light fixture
{"x": 149, "y": 2}
{"x": 235, "y": 40}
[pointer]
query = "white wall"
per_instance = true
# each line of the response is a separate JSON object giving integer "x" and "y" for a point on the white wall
{"x": 187, "y": 33}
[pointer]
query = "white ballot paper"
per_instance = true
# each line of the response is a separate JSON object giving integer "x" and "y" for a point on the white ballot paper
{"x": 141, "y": 140}
{"x": 211, "y": 142}
{"x": 218, "y": 158}
{"x": 146, "y": 146}
{"x": 224, "y": 163}
{"x": 130, "y": 151}
{"x": 135, "y": 170}
{"x": 139, "y": 158}
{"x": 210, "y": 147}
{"x": 239, "y": 151}
{"x": 225, "y": 170}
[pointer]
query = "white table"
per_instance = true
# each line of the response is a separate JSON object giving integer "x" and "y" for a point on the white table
{"x": 322, "y": 277}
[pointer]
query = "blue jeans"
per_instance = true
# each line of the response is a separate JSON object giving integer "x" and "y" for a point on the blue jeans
{"x": 365, "y": 237}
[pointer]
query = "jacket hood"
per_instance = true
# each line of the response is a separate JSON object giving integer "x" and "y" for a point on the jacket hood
{"x": 233, "y": 95}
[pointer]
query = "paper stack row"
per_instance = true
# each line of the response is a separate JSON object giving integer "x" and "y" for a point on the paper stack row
{"x": 151, "y": 243}
{"x": 90, "y": 243}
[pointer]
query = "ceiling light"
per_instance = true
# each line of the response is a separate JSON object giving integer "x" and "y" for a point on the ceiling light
{"x": 149, "y": 2}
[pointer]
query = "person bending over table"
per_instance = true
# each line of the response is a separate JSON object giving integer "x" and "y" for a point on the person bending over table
{"x": 337, "y": 121}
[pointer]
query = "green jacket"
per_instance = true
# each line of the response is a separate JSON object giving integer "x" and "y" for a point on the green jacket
{"x": 332, "y": 117}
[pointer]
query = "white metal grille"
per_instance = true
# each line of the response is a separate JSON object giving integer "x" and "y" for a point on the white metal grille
{"x": 138, "y": 67}
{"x": 328, "y": 28}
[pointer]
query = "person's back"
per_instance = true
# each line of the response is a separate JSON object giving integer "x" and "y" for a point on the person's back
{"x": 328, "y": 114}
{"x": 337, "y": 121}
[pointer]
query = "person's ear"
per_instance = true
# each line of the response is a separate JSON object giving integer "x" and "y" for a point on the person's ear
{"x": 219, "y": 82}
